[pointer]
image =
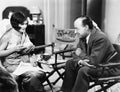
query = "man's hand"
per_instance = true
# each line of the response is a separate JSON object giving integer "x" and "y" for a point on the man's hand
{"x": 78, "y": 51}
{"x": 85, "y": 63}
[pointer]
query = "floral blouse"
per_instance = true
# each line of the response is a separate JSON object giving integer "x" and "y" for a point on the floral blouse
{"x": 12, "y": 61}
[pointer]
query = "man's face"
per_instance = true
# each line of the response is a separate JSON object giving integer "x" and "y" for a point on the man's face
{"x": 81, "y": 30}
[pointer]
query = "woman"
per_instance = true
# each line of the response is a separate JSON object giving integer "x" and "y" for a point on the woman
{"x": 14, "y": 45}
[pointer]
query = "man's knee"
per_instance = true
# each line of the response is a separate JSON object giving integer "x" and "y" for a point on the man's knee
{"x": 83, "y": 70}
{"x": 71, "y": 63}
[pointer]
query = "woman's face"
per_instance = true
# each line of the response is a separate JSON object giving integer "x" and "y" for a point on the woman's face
{"x": 23, "y": 26}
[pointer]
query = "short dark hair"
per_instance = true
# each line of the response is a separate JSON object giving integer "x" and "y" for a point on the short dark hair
{"x": 87, "y": 21}
{"x": 16, "y": 19}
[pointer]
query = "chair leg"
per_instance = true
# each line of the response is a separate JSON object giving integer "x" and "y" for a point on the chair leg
{"x": 60, "y": 77}
{"x": 51, "y": 87}
{"x": 48, "y": 81}
{"x": 104, "y": 88}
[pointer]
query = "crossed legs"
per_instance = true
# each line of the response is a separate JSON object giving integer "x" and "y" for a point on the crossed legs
{"x": 77, "y": 78}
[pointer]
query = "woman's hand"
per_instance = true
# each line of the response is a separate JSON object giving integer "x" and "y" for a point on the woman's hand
{"x": 19, "y": 48}
{"x": 28, "y": 49}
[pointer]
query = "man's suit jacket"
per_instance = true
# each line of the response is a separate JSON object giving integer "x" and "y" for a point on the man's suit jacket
{"x": 99, "y": 48}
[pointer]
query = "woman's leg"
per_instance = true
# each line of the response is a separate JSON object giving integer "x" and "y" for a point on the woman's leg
{"x": 8, "y": 83}
{"x": 32, "y": 81}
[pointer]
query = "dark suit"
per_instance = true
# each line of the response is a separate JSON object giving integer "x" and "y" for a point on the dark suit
{"x": 99, "y": 48}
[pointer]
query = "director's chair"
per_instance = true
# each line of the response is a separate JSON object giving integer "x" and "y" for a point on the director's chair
{"x": 59, "y": 64}
{"x": 56, "y": 65}
{"x": 107, "y": 82}
{"x": 50, "y": 67}
{"x": 65, "y": 41}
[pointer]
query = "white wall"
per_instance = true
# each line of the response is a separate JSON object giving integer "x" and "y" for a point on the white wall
{"x": 53, "y": 12}
{"x": 27, "y": 3}
{"x": 112, "y": 19}
{"x": 57, "y": 12}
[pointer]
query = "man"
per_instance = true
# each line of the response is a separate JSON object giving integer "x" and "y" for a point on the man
{"x": 93, "y": 48}
{"x": 14, "y": 47}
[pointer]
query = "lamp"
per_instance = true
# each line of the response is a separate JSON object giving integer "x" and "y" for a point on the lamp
{"x": 36, "y": 15}
{"x": 35, "y": 10}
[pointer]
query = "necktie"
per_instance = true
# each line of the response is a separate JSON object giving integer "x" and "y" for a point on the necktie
{"x": 85, "y": 43}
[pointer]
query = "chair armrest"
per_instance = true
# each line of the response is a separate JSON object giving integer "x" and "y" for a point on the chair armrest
{"x": 63, "y": 51}
{"x": 42, "y": 46}
{"x": 109, "y": 65}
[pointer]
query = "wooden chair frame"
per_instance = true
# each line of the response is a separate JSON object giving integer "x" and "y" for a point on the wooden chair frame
{"x": 56, "y": 66}
{"x": 107, "y": 82}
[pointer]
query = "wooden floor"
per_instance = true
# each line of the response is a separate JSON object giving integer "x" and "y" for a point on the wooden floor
{"x": 57, "y": 86}
{"x": 114, "y": 88}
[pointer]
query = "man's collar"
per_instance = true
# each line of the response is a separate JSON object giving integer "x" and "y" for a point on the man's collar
{"x": 87, "y": 38}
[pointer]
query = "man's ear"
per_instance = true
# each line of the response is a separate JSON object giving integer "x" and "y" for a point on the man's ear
{"x": 86, "y": 27}
{"x": 19, "y": 25}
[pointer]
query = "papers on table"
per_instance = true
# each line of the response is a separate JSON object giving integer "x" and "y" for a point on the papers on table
{"x": 52, "y": 61}
{"x": 24, "y": 67}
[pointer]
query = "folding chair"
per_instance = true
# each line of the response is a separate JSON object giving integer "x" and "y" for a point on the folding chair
{"x": 63, "y": 39}
{"x": 60, "y": 65}
{"x": 107, "y": 82}
{"x": 35, "y": 51}
{"x": 56, "y": 66}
